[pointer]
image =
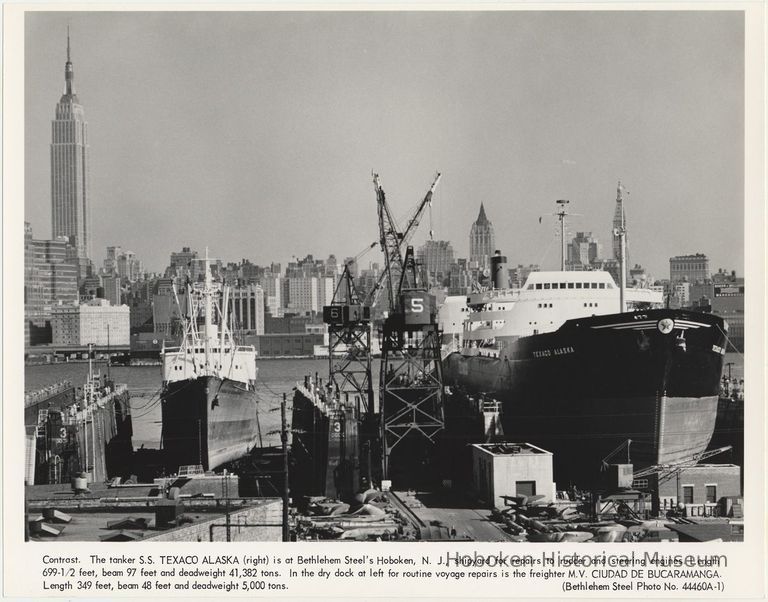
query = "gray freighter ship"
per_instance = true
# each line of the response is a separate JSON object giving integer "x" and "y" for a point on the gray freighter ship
{"x": 209, "y": 407}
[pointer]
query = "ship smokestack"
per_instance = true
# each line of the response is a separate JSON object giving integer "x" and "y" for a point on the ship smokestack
{"x": 499, "y": 275}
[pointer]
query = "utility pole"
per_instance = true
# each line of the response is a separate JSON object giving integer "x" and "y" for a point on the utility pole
{"x": 284, "y": 439}
{"x": 109, "y": 355}
{"x": 729, "y": 364}
{"x": 225, "y": 487}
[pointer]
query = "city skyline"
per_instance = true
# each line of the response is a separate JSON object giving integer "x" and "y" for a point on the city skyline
{"x": 231, "y": 138}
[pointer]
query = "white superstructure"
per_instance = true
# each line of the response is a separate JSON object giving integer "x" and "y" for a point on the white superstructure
{"x": 207, "y": 348}
{"x": 543, "y": 304}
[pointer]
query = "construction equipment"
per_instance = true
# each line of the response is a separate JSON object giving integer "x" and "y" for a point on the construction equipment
{"x": 667, "y": 471}
{"x": 393, "y": 242}
{"x": 349, "y": 345}
{"x": 350, "y": 383}
{"x": 411, "y": 382}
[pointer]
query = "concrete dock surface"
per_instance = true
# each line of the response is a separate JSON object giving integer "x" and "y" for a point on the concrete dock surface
{"x": 455, "y": 511}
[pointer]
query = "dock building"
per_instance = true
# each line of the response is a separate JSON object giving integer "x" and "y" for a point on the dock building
{"x": 512, "y": 469}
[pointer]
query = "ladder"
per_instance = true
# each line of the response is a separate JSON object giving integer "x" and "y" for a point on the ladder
{"x": 42, "y": 429}
{"x": 54, "y": 470}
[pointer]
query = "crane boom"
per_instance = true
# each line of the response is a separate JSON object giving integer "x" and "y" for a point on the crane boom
{"x": 389, "y": 239}
{"x": 413, "y": 223}
{"x": 675, "y": 466}
{"x": 392, "y": 241}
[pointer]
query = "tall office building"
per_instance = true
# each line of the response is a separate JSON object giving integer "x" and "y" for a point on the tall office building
{"x": 582, "y": 251}
{"x": 182, "y": 262}
{"x": 482, "y": 242}
{"x": 689, "y": 268}
{"x": 70, "y": 190}
{"x": 303, "y": 294}
{"x": 110, "y": 263}
{"x": 129, "y": 267}
{"x": 620, "y": 223}
{"x": 436, "y": 257}
{"x": 50, "y": 277}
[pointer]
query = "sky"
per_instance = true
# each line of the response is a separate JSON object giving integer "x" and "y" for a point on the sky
{"x": 255, "y": 134}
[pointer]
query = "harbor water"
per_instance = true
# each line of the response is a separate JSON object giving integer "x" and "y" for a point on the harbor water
{"x": 275, "y": 377}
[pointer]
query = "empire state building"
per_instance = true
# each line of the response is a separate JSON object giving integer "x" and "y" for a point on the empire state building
{"x": 70, "y": 189}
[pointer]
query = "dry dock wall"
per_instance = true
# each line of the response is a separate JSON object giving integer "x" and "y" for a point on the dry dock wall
{"x": 268, "y": 512}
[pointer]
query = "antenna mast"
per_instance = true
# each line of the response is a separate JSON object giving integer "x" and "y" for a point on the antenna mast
{"x": 620, "y": 232}
{"x": 562, "y": 212}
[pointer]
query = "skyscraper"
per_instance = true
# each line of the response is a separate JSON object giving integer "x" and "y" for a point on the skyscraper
{"x": 436, "y": 257}
{"x": 482, "y": 242}
{"x": 70, "y": 190}
{"x": 582, "y": 251}
{"x": 619, "y": 223}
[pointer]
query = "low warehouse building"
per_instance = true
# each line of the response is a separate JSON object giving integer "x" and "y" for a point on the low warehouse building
{"x": 700, "y": 488}
{"x": 511, "y": 469}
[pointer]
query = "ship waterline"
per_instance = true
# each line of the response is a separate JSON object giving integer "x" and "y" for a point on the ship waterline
{"x": 208, "y": 421}
{"x": 595, "y": 383}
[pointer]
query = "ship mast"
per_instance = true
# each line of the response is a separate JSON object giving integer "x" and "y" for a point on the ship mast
{"x": 207, "y": 308}
{"x": 562, "y": 203}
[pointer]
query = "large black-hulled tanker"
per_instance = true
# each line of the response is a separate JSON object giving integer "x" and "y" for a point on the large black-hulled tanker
{"x": 580, "y": 386}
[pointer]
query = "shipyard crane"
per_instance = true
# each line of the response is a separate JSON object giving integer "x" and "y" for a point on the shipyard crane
{"x": 667, "y": 471}
{"x": 349, "y": 326}
{"x": 349, "y": 344}
{"x": 411, "y": 384}
{"x": 393, "y": 241}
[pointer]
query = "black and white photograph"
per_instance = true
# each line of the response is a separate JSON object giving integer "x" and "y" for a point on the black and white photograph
{"x": 430, "y": 276}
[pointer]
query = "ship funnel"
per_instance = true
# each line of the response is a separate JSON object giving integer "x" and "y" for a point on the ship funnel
{"x": 499, "y": 274}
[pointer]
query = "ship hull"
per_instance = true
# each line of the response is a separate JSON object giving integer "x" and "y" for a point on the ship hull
{"x": 594, "y": 383}
{"x": 208, "y": 421}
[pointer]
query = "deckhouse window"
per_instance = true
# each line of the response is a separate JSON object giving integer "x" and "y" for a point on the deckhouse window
{"x": 562, "y": 285}
{"x": 578, "y": 285}
{"x": 594, "y": 285}
{"x": 570, "y": 285}
{"x": 546, "y": 285}
{"x": 602, "y": 285}
{"x": 538, "y": 286}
